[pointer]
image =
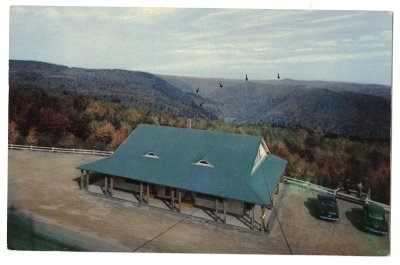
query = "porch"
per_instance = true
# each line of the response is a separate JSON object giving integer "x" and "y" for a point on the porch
{"x": 206, "y": 207}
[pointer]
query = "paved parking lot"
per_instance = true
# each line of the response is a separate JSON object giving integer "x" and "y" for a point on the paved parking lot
{"x": 42, "y": 187}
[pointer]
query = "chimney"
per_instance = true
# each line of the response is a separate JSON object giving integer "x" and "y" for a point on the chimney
{"x": 189, "y": 123}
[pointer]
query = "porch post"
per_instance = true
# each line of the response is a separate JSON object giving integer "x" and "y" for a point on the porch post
{"x": 267, "y": 225}
{"x": 224, "y": 219}
{"x": 179, "y": 200}
{"x": 216, "y": 209}
{"x": 271, "y": 203}
{"x": 252, "y": 217}
{"x": 172, "y": 199}
{"x": 147, "y": 193}
{"x": 141, "y": 193}
{"x": 106, "y": 184}
{"x": 262, "y": 219}
{"x": 111, "y": 185}
{"x": 87, "y": 180}
{"x": 81, "y": 183}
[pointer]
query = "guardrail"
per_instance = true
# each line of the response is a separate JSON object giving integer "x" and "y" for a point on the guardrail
{"x": 308, "y": 185}
{"x": 339, "y": 194}
{"x": 59, "y": 150}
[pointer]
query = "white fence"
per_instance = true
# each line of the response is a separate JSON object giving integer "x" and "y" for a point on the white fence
{"x": 58, "y": 150}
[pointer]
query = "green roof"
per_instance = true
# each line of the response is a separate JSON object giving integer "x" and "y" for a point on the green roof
{"x": 178, "y": 150}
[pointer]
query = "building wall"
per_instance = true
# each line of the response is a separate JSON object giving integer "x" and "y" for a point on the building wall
{"x": 199, "y": 199}
{"x": 126, "y": 184}
{"x": 162, "y": 191}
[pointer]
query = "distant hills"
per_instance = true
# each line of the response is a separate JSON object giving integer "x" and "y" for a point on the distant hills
{"x": 125, "y": 87}
{"x": 351, "y": 109}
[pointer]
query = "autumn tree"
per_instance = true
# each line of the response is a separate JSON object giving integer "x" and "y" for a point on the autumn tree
{"x": 105, "y": 133}
{"x": 118, "y": 137}
{"x": 53, "y": 122}
{"x": 279, "y": 149}
{"x": 96, "y": 109}
{"x": 67, "y": 141}
{"x": 32, "y": 137}
{"x": 13, "y": 133}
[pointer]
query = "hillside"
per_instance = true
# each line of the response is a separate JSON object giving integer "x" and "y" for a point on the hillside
{"x": 361, "y": 110}
{"x": 351, "y": 109}
{"x": 344, "y": 113}
{"x": 210, "y": 85}
{"x": 126, "y": 87}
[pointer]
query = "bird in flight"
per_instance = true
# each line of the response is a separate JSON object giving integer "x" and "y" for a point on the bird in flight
{"x": 197, "y": 90}
{"x": 201, "y": 104}
{"x": 220, "y": 85}
{"x": 278, "y": 76}
{"x": 246, "y": 78}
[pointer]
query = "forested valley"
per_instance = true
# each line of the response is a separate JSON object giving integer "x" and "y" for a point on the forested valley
{"x": 71, "y": 120}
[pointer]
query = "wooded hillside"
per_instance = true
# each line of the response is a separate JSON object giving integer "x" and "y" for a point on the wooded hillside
{"x": 37, "y": 117}
{"x": 355, "y": 110}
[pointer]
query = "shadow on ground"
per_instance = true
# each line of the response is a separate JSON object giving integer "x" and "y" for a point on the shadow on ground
{"x": 355, "y": 217}
{"x": 77, "y": 180}
{"x": 22, "y": 234}
{"x": 312, "y": 206}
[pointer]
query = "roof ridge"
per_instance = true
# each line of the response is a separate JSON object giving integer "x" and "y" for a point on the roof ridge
{"x": 198, "y": 130}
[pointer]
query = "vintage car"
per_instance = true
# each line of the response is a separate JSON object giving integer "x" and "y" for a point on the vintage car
{"x": 375, "y": 218}
{"x": 327, "y": 206}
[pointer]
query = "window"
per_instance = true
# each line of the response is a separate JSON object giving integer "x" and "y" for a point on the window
{"x": 203, "y": 163}
{"x": 151, "y": 155}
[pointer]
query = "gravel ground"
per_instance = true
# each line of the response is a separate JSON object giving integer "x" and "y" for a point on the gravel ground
{"x": 42, "y": 188}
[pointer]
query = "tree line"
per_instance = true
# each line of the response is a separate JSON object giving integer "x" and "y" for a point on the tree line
{"x": 37, "y": 117}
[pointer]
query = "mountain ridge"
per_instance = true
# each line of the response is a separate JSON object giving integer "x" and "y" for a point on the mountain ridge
{"x": 126, "y": 87}
{"x": 335, "y": 107}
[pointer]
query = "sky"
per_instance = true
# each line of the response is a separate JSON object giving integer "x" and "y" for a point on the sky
{"x": 350, "y": 46}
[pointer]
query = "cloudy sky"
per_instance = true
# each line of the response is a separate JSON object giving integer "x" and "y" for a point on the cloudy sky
{"x": 353, "y": 46}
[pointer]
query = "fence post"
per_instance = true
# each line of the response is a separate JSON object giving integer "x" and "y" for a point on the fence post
{"x": 73, "y": 150}
{"x": 31, "y": 148}
{"x": 11, "y": 146}
{"x": 52, "y": 149}
{"x": 93, "y": 152}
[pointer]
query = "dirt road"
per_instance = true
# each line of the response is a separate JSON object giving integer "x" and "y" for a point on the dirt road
{"x": 42, "y": 188}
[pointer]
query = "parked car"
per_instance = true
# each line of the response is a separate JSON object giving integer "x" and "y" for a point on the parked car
{"x": 327, "y": 206}
{"x": 375, "y": 218}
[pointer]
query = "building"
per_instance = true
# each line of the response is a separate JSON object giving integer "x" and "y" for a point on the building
{"x": 227, "y": 173}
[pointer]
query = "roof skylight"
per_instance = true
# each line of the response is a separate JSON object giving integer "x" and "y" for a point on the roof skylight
{"x": 203, "y": 163}
{"x": 151, "y": 155}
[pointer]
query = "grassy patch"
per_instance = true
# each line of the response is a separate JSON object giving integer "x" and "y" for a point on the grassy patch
{"x": 21, "y": 235}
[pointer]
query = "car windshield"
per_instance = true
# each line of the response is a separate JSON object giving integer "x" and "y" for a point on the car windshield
{"x": 375, "y": 212}
{"x": 328, "y": 202}
{"x": 376, "y": 216}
